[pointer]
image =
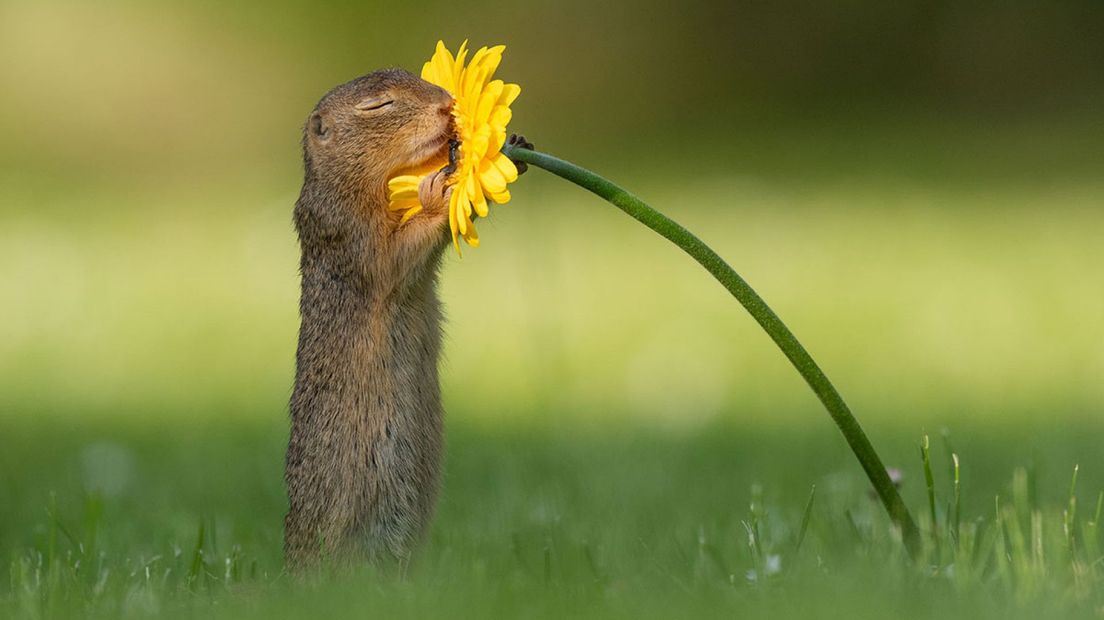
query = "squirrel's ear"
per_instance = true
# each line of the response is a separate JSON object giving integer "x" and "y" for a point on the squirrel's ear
{"x": 317, "y": 127}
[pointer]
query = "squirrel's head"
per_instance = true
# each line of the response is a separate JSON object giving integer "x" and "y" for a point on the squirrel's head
{"x": 360, "y": 135}
{"x": 365, "y": 131}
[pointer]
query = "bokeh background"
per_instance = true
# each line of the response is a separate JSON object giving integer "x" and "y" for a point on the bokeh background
{"x": 916, "y": 187}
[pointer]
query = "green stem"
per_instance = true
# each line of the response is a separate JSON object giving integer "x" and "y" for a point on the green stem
{"x": 759, "y": 310}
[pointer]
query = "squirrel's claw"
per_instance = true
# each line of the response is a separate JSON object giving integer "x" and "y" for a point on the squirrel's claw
{"x": 519, "y": 142}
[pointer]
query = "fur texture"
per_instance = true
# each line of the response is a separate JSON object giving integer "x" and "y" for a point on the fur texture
{"x": 364, "y": 455}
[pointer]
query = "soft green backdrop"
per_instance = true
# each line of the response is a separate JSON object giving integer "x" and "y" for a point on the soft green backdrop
{"x": 915, "y": 188}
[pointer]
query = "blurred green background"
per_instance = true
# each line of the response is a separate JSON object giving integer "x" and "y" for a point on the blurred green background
{"x": 916, "y": 188}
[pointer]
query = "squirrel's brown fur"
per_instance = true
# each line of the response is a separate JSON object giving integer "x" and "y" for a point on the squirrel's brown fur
{"x": 364, "y": 455}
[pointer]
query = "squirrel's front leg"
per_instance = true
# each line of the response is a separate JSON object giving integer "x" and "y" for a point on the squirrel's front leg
{"x": 434, "y": 194}
{"x": 419, "y": 241}
{"x": 430, "y": 226}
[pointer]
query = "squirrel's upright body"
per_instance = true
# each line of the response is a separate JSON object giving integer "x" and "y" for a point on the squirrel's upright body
{"x": 364, "y": 454}
{"x": 365, "y": 448}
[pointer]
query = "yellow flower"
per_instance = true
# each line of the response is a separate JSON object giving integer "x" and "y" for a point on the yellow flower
{"x": 481, "y": 111}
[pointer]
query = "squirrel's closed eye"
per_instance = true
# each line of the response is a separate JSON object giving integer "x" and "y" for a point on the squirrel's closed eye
{"x": 369, "y": 105}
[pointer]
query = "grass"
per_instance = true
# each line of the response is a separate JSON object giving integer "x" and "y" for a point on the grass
{"x": 122, "y": 520}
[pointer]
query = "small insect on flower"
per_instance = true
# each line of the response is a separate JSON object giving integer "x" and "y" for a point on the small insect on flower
{"x": 481, "y": 112}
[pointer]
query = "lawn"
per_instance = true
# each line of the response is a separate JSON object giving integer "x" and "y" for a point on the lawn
{"x": 548, "y": 522}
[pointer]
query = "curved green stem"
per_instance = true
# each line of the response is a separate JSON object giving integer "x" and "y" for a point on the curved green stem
{"x": 759, "y": 310}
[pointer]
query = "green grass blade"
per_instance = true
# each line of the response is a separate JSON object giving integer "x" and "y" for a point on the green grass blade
{"x": 1069, "y": 520}
{"x": 956, "y": 506}
{"x": 806, "y": 516}
{"x": 929, "y": 480}
{"x": 195, "y": 571}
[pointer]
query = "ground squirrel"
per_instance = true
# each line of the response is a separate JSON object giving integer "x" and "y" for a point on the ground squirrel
{"x": 364, "y": 456}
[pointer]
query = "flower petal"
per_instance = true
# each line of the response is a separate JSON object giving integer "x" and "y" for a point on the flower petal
{"x": 458, "y": 68}
{"x": 487, "y": 101}
{"x": 492, "y": 179}
{"x": 490, "y": 61}
{"x": 440, "y": 68}
{"x": 480, "y": 202}
{"x": 506, "y": 167}
{"x": 409, "y": 214}
{"x": 472, "y": 237}
{"x": 509, "y": 93}
{"x": 500, "y": 116}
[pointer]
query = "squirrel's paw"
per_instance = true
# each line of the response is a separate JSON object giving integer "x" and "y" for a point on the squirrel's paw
{"x": 519, "y": 141}
{"x": 433, "y": 192}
